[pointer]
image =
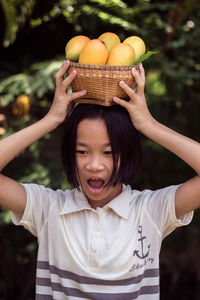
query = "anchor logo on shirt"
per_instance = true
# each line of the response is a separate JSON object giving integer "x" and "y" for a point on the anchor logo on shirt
{"x": 141, "y": 255}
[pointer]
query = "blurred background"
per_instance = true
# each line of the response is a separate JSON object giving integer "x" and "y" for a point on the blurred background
{"x": 33, "y": 37}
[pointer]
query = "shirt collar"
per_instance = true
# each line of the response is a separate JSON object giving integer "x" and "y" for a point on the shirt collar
{"x": 77, "y": 202}
{"x": 120, "y": 204}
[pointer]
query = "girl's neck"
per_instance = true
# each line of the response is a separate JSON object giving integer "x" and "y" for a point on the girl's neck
{"x": 102, "y": 202}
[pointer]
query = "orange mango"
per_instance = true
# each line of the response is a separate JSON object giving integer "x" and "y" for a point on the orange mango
{"x": 121, "y": 54}
{"x": 94, "y": 52}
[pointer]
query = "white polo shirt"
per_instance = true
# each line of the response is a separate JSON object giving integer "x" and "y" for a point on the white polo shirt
{"x": 111, "y": 253}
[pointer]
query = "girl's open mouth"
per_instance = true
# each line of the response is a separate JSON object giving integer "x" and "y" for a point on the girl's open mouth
{"x": 95, "y": 185}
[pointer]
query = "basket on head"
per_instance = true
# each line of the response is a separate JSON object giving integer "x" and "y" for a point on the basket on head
{"x": 101, "y": 82}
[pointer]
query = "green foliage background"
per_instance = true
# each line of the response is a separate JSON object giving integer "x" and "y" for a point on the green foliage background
{"x": 33, "y": 37}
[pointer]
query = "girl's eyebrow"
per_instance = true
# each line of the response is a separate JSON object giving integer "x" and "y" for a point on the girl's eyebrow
{"x": 81, "y": 144}
{"x": 85, "y": 145}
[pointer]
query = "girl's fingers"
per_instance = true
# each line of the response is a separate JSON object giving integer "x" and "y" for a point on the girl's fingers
{"x": 139, "y": 79}
{"x": 61, "y": 72}
{"x": 67, "y": 81}
{"x": 129, "y": 91}
{"x": 121, "y": 102}
{"x": 142, "y": 72}
{"x": 76, "y": 95}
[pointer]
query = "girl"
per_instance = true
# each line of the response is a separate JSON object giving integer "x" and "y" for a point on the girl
{"x": 102, "y": 239}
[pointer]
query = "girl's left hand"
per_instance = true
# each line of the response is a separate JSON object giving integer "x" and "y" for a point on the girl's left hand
{"x": 136, "y": 106}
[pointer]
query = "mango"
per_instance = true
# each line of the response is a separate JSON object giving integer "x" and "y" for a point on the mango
{"x": 138, "y": 45}
{"x": 121, "y": 54}
{"x": 74, "y": 47}
{"x": 21, "y": 106}
{"x": 110, "y": 39}
{"x": 94, "y": 52}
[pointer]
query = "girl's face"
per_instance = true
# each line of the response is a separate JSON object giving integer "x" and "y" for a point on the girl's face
{"x": 95, "y": 162}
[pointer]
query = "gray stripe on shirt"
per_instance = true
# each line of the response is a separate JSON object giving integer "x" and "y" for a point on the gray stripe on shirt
{"x": 148, "y": 273}
{"x": 43, "y": 297}
{"x": 145, "y": 290}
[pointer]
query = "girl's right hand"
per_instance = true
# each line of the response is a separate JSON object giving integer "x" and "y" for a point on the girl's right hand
{"x": 63, "y": 102}
{"x": 137, "y": 105}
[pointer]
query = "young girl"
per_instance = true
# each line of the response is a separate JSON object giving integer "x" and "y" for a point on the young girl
{"x": 102, "y": 239}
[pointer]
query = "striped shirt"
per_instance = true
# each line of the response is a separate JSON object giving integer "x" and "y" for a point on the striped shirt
{"x": 109, "y": 253}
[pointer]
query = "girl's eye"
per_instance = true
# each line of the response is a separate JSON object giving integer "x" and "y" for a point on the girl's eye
{"x": 81, "y": 151}
{"x": 108, "y": 152}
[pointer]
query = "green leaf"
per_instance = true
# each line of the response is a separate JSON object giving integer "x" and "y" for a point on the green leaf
{"x": 16, "y": 13}
{"x": 146, "y": 56}
{"x": 69, "y": 90}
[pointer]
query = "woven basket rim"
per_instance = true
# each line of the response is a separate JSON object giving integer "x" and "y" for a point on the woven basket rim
{"x": 103, "y": 67}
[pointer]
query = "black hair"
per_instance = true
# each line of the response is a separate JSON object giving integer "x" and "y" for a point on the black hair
{"x": 124, "y": 140}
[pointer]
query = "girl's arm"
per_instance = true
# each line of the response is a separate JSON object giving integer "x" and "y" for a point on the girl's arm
{"x": 12, "y": 194}
{"x": 187, "y": 195}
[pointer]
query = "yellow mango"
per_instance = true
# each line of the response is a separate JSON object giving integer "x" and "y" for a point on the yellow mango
{"x": 110, "y": 39}
{"x": 74, "y": 47}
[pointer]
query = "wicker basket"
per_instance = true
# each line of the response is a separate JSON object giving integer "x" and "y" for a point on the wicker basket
{"x": 101, "y": 82}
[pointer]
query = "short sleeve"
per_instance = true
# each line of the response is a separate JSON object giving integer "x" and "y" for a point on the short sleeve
{"x": 160, "y": 207}
{"x": 39, "y": 202}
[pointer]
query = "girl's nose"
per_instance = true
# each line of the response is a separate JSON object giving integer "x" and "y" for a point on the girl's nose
{"x": 95, "y": 164}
